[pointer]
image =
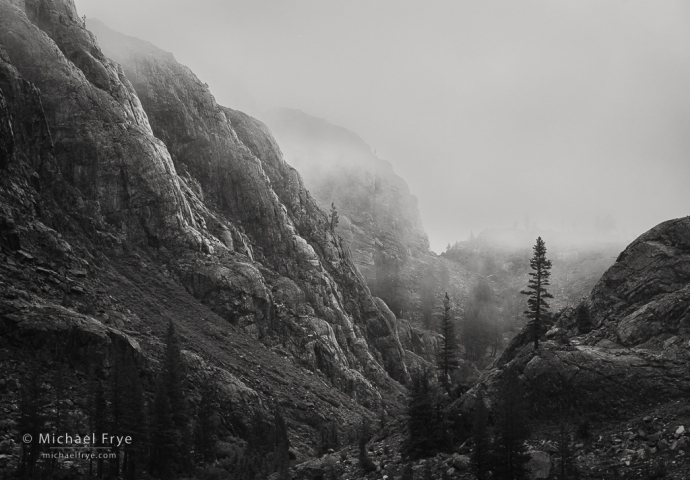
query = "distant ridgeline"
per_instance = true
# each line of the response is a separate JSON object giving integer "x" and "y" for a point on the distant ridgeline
{"x": 129, "y": 198}
{"x": 378, "y": 217}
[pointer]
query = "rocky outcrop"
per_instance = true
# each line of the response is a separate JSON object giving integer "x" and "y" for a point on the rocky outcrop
{"x": 626, "y": 343}
{"x": 232, "y": 162}
{"x": 378, "y": 217}
{"x": 126, "y": 205}
{"x": 103, "y": 145}
{"x": 646, "y": 293}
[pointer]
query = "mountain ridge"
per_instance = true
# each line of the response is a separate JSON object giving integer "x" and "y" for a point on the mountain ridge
{"x": 111, "y": 226}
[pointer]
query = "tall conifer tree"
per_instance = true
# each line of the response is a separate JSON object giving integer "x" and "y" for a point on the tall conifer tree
{"x": 480, "y": 438}
{"x": 536, "y": 288}
{"x": 448, "y": 354}
{"x": 509, "y": 450}
{"x": 134, "y": 420}
{"x": 32, "y": 420}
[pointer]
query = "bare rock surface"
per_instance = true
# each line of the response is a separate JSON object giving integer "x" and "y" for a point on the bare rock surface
{"x": 129, "y": 198}
{"x": 379, "y": 218}
{"x": 235, "y": 165}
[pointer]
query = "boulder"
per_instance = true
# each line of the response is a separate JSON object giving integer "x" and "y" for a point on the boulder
{"x": 539, "y": 465}
{"x": 461, "y": 462}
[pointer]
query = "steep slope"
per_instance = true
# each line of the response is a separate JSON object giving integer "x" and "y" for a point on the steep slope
{"x": 378, "y": 216}
{"x": 118, "y": 214}
{"x": 231, "y": 161}
{"x": 622, "y": 352}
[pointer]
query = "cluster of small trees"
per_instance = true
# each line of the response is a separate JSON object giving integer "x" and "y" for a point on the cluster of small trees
{"x": 499, "y": 442}
{"x": 170, "y": 437}
{"x": 432, "y": 428}
{"x": 481, "y": 326}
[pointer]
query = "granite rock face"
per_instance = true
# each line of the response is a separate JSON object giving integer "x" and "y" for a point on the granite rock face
{"x": 102, "y": 142}
{"x": 379, "y": 218}
{"x": 646, "y": 293}
{"x": 125, "y": 205}
{"x": 625, "y": 344}
{"x": 232, "y": 162}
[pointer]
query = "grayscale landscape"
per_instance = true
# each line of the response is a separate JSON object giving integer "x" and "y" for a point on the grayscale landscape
{"x": 344, "y": 240}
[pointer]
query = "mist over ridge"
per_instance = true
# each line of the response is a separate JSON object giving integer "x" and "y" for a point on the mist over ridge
{"x": 427, "y": 265}
{"x": 475, "y": 104}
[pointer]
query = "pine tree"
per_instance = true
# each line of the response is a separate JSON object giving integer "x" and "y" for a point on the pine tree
{"x": 509, "y": 448}
{"x": 329, "y": 437}
{"x": 91, "y": 407}
{"x": 427, "y": 297}
{"x": 170, "y": 431}
{"x": 584, "y": 320}
{"x": 334, "y": 217}
{"x": 364, "y": 461}
{"x": 480, "y": 314}
{"x": 480, "y": 438}
{"x": 173, "y": 375}
{"x": 134, "y": 421}
{"x": 100, "y": 407}
{"x": 165, "y": 437}
{"x": 281, "y": 449}
{"x": 59, "y": 416}
{"x": 536, "y": 288}
{"x": 448, "y": 354}
{"x": 426, "y": 433}
{"x": 32, "y": 419}
{"x": 565, "y": 451}
{"x": 116, "y": 410}
{"x": 408, "y": 472}
{"x": 205, "y": 425}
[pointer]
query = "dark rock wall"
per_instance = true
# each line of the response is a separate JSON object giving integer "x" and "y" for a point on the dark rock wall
{"x": 233, "y": 163}
{"x": 108, "y": 231}
{"x": 109, "y": 204}
{"x": 625, "y": 343}
{"x": 379, "y": 218}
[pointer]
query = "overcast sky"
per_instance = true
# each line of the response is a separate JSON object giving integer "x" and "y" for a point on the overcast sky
{"x": 490, "y": 110}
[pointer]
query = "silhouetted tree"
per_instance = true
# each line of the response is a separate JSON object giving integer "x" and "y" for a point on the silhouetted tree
{"x": 134, "y": 420}
{"x": 480, "y": 314}
{"x": 481, "y": 455}
{"x": 565, "y": 451}
{"x": 206, "y": 425}
{"x": 100, "y": 406}
{"x": 32, "y": 419}
{"x": 116, "y": 410}
{"x": 536, "y": 288}
{"x": 267, "y": 450}
{"x": 408, "y": 472}
{"x": 165, "y": 437}
{"x": 91, "y": 407}
{"x": 448, "y": 351}
{"x": 334, "y": 217}
{"x": 170, "y": 432}
{"x": 364, "y": 461}
{"x": 60, "y": 418}
{"x": 584, "y": 321}
{"x": 429, "y": 429}
{"x": 329, "y": 437}
{"x": 427, "y": 297}
{"x": 281, "y": 442}
{"x": 509, "y": 449}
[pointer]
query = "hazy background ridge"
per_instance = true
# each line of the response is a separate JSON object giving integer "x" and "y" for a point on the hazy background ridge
{"x": 493, "y": 112}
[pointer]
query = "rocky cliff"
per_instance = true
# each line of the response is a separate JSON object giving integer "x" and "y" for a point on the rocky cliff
{"x": 378, "y": 217}
{"x": 626, "y": 344}
{"x": 129, "y": 198}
